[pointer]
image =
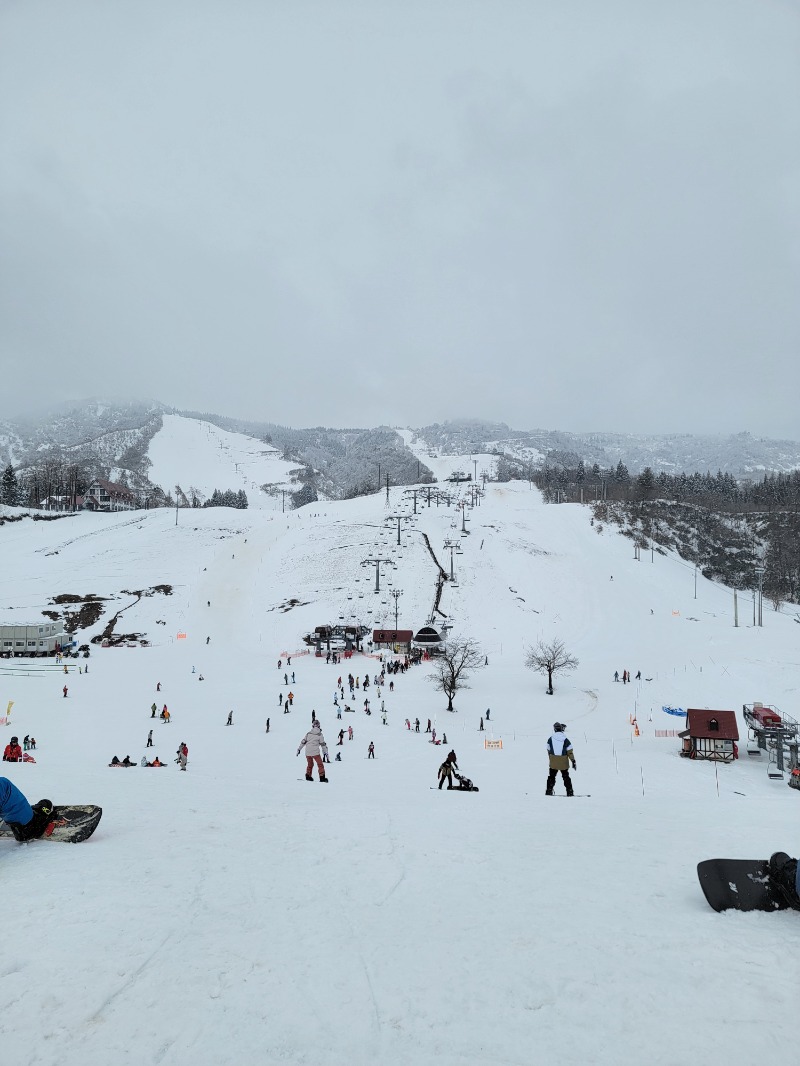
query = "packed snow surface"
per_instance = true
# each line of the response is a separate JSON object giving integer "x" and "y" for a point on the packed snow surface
{"x": 197, "y": 455}
{"x": 238, "y": 914}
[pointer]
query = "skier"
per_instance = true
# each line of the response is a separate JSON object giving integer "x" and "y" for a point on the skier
{"x": 371, "y": 751}
{"x": 480, "y": 727}
{"x": 280, "y": 698}
{"x": 291, "y": 699}
{"x": 26, "y": 821}
{"x": 279, "y": 664}
{"x": 286, "y": 679}
{"x": 314, "y": 742}
{"x": 13, "y": 752}
{"x": 286, "y": 707}
{"x": 349, "y": 732}
{"x": 65, "y": 691}
{"x": 183, "y": 756}
{"x": 616, "y": 675}
{"x": 230, "y": 718}
{"x": 638, "y": 675}
{"x": 268, "y": 725}
{"x": 488, "y": 714}
{"x": 208, "y": 640}
{"x": 561, "y": 755}
{"x": 158, "y": 686}
{"x": 383, "y": 717}
{"x": 149, "y": 739}
{"x": 341, "y": 738}
{"x": 416, "y": 725}
{"x": 784, "y": 873}
{"x": 429, "y": 726}
{"x": 292, "y": 674}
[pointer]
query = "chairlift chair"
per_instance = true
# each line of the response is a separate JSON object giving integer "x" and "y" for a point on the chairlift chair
{"x": 774, "y": 773}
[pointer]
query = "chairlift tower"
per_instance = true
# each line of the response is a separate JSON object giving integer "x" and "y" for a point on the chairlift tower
{"x": 377, "y": 560}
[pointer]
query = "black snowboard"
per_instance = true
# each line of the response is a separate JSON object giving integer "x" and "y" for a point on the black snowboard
{"x": 740, "y": 885}
{"x": 70, "y": 824}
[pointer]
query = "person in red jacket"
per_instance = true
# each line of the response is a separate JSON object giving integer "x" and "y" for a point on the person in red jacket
{"x": 13, "y": 752}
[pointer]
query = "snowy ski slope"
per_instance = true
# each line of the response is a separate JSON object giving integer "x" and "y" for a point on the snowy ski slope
{"x": 238, "y": 914}
{"x": 196, "y": 454}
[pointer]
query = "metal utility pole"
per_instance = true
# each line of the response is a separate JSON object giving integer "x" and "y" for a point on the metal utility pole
{"x": 377, "y": 561}
{"x": 379, "y": 477}
{"x": 177, "y": 499}
{"x": 283, "y": 500}
{"x": 760, "y": 570}
{"x": 396, "y": 594}
{"x": 735, "y": 610}
{"x": 464, "y": 520}
{"x": 475, "y": 464}
{"x": 695, "y": 582}
{"x": 414, "y": 494}
{"x": 387, "y": 489}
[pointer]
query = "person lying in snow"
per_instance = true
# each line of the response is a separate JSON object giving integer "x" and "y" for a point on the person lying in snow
{"x": 26, "y": 821}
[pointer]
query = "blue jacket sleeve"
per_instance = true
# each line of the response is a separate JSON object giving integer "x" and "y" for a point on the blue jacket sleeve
{"x": 13, "y": 805}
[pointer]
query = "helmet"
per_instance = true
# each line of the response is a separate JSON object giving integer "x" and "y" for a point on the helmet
{"x": 15, "y": 740}
{"x": 559, "y": 727}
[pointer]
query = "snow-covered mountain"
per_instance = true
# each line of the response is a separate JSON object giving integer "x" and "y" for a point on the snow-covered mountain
{"x": 236, "y": 913}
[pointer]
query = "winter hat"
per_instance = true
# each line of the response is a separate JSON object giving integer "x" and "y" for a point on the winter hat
{"x": 559, "y": 727}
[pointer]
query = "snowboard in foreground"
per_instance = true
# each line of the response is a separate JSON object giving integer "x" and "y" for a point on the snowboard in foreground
{"x": 70, "y": 825}
{"x": 739, "y": 885}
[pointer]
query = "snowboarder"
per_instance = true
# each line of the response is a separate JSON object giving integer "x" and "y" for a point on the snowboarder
{"x": 286, "y": 679}
{"x": 289, "y": 662}
{"x": 480, "y": 727}
{"x": 26, "y": 821}
{"x": 279, "y": 664}
{"x": 149, "y": 739}
{"x": 292, "y": 676}
{"x": 416, "y": 725}
{"x": 445, "y": 771}
{"x": 153, "y": 710}
{"x": 638, "y": 675}
{"x": 268, "y": 725}
{"x": 338, "y": 757}
{"x": 13, "y": 752}
{"x": 208, "y": 640}
{"x": 314, "y": 743}
{"x": 429, "y": 726}
{"x": 349, "y": 732}
{"x": 286, "y": 707}
{"x": 65, "y": 691}
{"x": 291, "y": 699}
{"x": 183, "y": 756}
{"x": 488, "y": 714}
{"x": 280, "y": 698}
{"x": 616, "y": 675}
{"x": 560, "y": 753}
{"x": 371, "y": 751}
{"x": 158, "y": 686}
{"x": 341, "y": 738}
{"x": 784, "y": 873}
{"x": 230, "y": 718}
{"x": 383, "y": 717}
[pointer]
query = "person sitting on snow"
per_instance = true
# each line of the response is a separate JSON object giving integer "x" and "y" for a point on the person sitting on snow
{"x": 784, "y": 874}
{"x": 26, "y": 821}
{"x": 127, "y": 761}
{"x": 115, "y": 762}
{"x": 13, "y": 752}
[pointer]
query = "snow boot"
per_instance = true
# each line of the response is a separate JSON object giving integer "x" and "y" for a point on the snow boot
{"x": 783, "y": 875}
{"x": 42, "y": 817}
{"x": 549, "y": 792}
{"x": 309, "y": 777}
{"x": 323, "y": 780}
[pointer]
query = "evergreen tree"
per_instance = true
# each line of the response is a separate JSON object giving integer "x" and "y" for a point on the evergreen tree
{"x": 9, "y": 489}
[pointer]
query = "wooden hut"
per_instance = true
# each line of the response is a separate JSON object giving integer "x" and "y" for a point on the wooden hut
{"x": 710, "y": 735}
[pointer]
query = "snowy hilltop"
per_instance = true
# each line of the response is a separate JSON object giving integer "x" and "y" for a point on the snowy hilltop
{"x": 237, "y": 913}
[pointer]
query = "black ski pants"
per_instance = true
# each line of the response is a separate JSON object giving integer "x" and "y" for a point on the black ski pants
{"x": 551, "y": 780}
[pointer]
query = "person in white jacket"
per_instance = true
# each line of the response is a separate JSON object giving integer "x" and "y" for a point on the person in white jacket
{"x": 314, "y": 743}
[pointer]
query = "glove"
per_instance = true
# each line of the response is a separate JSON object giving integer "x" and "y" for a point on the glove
{"x": 298, "y": 751}
{"x": 574, "y": 766}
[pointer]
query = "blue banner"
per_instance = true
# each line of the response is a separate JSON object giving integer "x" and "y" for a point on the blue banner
{"x": 677, "y": 711}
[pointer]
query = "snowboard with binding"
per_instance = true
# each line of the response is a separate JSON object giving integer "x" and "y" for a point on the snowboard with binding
{"x": 69, "y": 824}
{"x": 740, "y": 885}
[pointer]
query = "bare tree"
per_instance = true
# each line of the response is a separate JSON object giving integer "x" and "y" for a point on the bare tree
{"x": 549, "y": 658}
{"x": 454, "y": 665}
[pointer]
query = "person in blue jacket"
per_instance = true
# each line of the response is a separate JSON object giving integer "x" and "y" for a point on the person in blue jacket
{"x": 26, "y": 821}
{"x": 784, "y": 872}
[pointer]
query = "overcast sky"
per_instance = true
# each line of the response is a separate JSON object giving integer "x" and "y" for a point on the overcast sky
{"x": 574, "y": 215}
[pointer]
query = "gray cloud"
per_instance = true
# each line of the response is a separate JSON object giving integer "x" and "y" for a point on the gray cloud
{"x": 574, "y": 215}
